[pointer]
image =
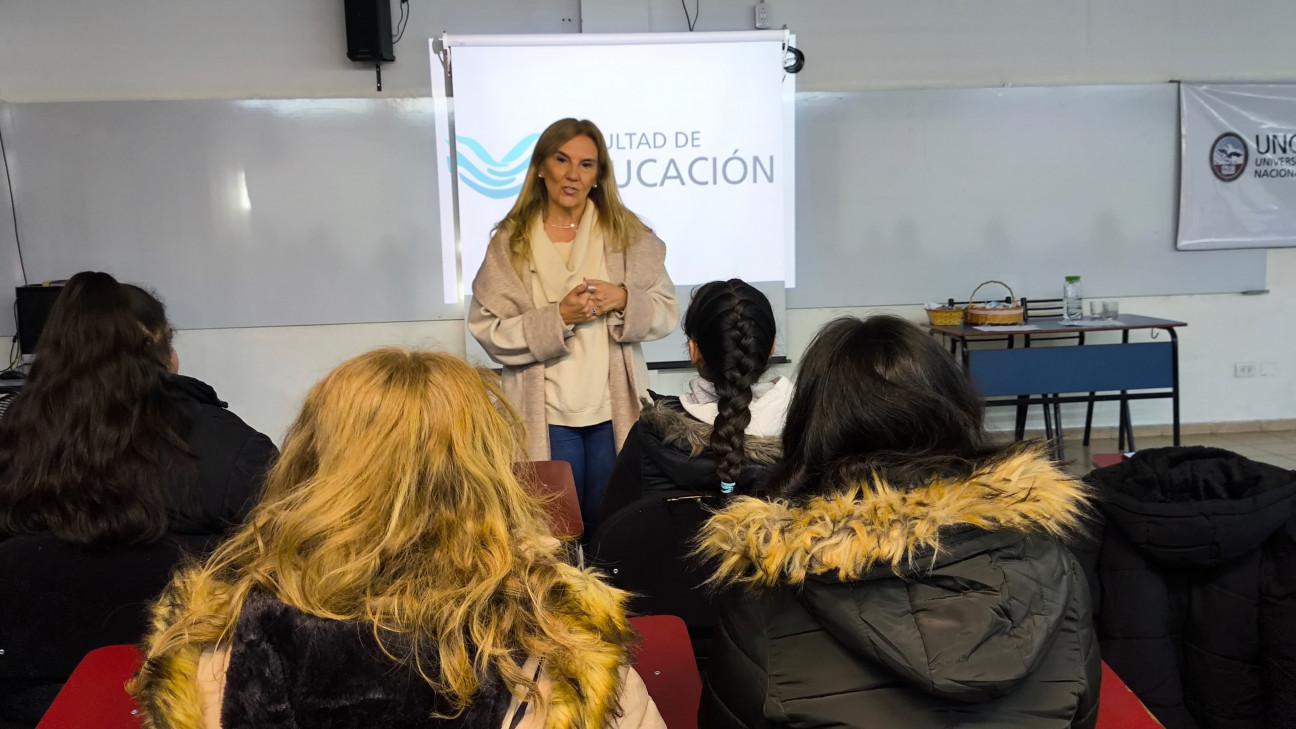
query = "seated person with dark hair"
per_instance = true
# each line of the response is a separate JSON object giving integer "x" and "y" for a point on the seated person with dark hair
{"x": 112, "y": 469}
{"x": 901, "y": 569}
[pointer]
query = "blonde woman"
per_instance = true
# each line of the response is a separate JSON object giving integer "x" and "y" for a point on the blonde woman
{"x": 572, "y": 283}
{"x": 396, "y": 574}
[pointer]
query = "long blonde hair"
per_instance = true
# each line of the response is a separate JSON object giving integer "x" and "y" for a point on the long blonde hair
{"x": 619, "y": 225}
{"x": 394, "y": 503}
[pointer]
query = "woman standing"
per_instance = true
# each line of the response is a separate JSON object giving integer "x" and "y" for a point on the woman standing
{"x": 572, "y": 283}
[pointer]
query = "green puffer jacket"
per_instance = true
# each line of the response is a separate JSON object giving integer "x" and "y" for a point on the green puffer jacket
{"x": 955, "y": 604}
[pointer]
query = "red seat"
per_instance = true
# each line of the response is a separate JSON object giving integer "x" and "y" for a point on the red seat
{"x": 665, "y": 662}
{"x": 1103, "y": 460}
{"x": 1119, "y": 708}
{"x": 553, "y": 481}
{"x": 95, "y": 694}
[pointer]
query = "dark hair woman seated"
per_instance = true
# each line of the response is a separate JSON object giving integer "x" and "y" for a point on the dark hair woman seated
{"x": 686, "y": 453}
{"x": 904, "y": 571}
{"x": 112, "y": 467}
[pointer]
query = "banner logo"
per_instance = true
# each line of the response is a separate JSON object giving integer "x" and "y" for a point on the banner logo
{"x": 1229, "y": 157}
{"x": 498, "y": 180}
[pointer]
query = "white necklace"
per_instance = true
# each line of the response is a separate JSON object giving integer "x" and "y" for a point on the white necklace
{"x": 572, "y": 226}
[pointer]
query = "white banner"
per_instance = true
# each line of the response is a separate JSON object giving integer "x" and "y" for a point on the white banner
{"x": 699, "y": 129}
{"x": 1238, "y": 169}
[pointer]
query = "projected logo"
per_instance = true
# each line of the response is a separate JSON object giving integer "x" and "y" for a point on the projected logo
{"x": 1229, "y": 157}
{"x": 496, "y": 179}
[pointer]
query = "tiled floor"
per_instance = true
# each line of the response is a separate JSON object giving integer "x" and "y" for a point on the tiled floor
{"x": 1270, "y": 446}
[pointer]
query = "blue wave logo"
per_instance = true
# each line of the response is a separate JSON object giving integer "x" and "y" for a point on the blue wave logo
{"x": 496, "y": 179}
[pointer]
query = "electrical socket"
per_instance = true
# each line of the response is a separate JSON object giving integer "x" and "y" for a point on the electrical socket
{"x": 762, "y": 16}
{"x": 1245, "y": 369}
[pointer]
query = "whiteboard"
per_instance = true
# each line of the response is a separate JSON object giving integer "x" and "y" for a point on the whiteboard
{"x": 239, "y": 213}
{"x": 912, "y": 196}
{"x": 10, "y": 266}
{"x": 280, "y": 212}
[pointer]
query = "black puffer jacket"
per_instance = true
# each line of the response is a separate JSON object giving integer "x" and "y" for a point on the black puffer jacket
{"x": 1194, "y": 579}
{"x": 662, "y": 488}
{"x": 944, "y": 606}
{"x": 209, "y": 494}
{"x": 670, "y": 450}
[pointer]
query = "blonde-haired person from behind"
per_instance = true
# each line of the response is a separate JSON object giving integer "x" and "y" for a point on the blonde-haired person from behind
{"x": 396, "y": 574}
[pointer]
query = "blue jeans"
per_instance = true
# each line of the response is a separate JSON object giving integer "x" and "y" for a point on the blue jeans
{"x": 591, "y": 451}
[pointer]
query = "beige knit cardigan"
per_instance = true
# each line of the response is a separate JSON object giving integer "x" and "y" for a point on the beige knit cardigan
{"x": 502, "y": 303}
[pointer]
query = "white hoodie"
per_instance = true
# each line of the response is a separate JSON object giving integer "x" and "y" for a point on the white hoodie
{"x": 768, "y": 407}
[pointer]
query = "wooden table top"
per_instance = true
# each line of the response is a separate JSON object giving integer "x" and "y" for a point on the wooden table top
{"x": 1056, "y": 325}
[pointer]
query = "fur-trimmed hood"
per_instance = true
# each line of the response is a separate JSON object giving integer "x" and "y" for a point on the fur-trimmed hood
{"x": 846, "y": 535}
{"x": 677, "y": 426}
{"x": 960, "y": 589}
{"x": 326, "y": 656}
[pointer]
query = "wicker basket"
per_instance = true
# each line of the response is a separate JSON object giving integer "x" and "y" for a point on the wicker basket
{"x": 945, "y": 317}
{"x": 1013, "y": 314}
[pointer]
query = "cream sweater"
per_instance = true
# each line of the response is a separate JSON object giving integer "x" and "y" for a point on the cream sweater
{"x": 524, "y": 337}
{"x": 576, "y": 383}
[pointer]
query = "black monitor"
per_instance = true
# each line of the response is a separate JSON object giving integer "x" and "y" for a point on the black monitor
{"x": 32, "y": 305}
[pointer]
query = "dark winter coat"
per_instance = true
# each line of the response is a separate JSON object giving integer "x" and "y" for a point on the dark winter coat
{"x": 670, "y": 450}
{"x": 287, "y": 668}
{"x": 1193, "y": 573}
{"x": 73, "y": 599}
{"x": 663, "y": 486}
{"x": 209, "y": 493}
{"x": 948, "y": 605}
{"x": 59, "y": 601}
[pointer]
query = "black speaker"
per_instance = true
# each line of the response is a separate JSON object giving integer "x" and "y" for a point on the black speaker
{"x": 369, "y": 31}
{"x": 32, "y": 305}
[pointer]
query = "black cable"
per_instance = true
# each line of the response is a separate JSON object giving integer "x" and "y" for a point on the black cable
{"x": 14, "y": 342}
{"x": 798, "y": 60}
{"x": 13, "y": 207}
{"x": 402, "y": 22}
{"x": 696, "y": 10}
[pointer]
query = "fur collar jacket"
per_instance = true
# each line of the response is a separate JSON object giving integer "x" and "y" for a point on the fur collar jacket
{"x": 283, "y": 668}
{"x": 668, "y": 452}
{"x": 886, "y": 606}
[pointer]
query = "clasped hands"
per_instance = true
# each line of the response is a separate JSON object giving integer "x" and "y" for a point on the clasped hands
{"x": 590, "y": 300}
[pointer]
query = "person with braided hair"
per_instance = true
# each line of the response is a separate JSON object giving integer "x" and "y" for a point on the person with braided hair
{"x": 688, "y": 453}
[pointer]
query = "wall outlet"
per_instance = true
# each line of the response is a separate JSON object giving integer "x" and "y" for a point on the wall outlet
{"x": 1268, "y": 369}
{"x": 762, "y": 16}
{"x": 1245, "y": 369}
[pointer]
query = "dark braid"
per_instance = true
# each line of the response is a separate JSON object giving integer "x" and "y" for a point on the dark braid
{"x": 732, "y": 325}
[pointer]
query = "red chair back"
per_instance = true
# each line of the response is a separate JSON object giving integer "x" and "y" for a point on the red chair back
{"x": 95, "y": 694}
{"x": 1103, "y": 460}
{"x": 665, "y": 662}
{"x": 553, "y": 481}
{"x": 1119, "y": 708}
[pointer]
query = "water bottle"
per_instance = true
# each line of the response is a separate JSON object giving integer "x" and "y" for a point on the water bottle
{"x": 1072, "y": 301}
